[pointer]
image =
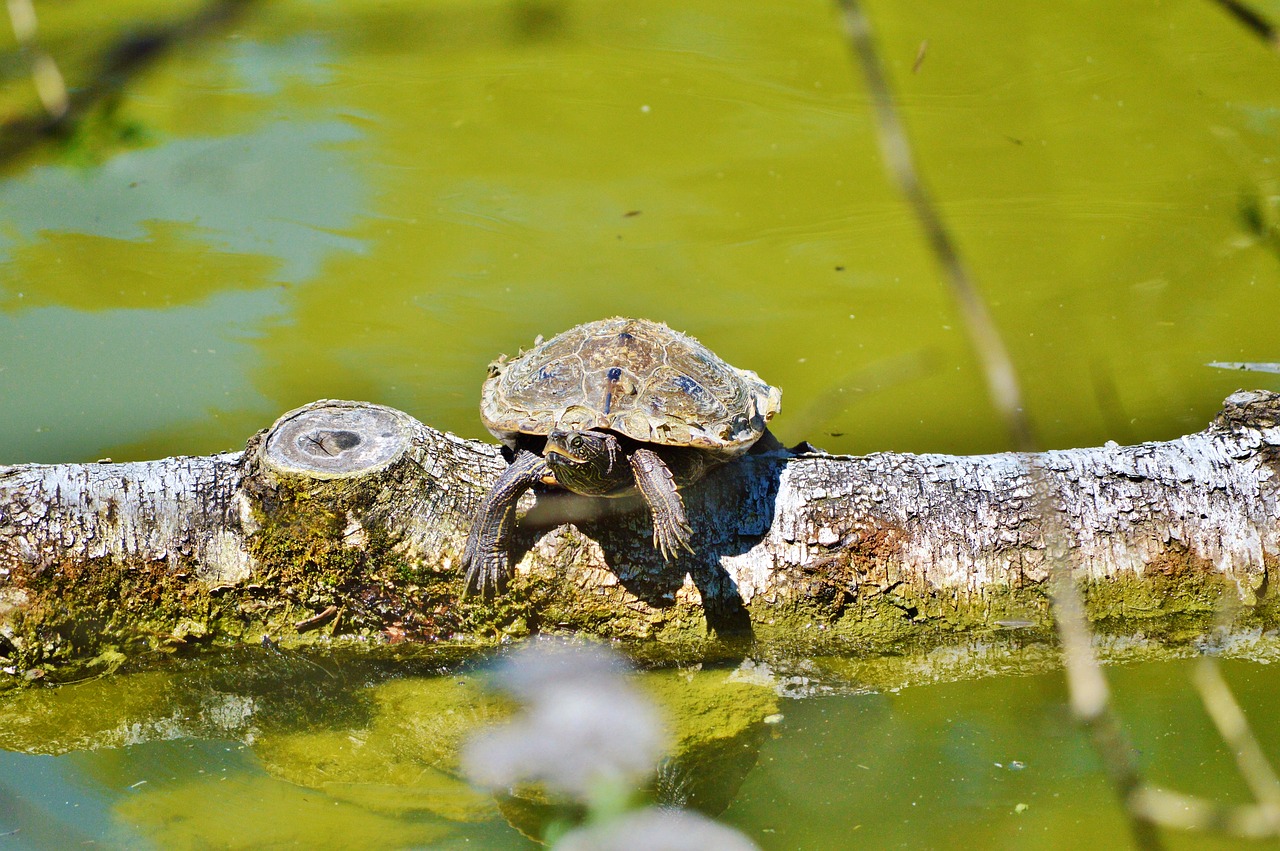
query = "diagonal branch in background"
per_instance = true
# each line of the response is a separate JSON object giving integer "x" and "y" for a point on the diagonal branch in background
{"x": 122, "y": 63}
{"x": 49, "y": 85}
{"x": 1252, "y": 21}
{"x": 1090, "y": 700}
{"x": 1228, "y": 717}
{"x": 1234, "y": 728}
{"x": 1145, "y": 806}
{"x": 1089, "y": 695}
{"x": 997, "y": 367}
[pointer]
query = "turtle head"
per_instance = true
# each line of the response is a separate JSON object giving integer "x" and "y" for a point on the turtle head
{"x": 588, "y": 462}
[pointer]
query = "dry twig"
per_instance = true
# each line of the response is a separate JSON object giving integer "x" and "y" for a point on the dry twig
{"x": 64, "y": 109}
{"x": 49, "y": 85}
{"x": 1234, "y": 728}
{"x": 1253, "y": 21}
{"x": 1145, "y": 806}
{"x": 1090, "y": 700}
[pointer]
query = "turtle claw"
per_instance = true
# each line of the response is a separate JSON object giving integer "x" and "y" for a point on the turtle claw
{"x": 486, "y": 569}
{"x": 670, "y": 538}
{"x": 488, "y": 577}
{"x": 486, "y": 573}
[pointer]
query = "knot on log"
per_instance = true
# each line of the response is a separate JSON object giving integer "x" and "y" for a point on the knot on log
{"x": 1257, "y": 409}
{"x": 333, "y": 439}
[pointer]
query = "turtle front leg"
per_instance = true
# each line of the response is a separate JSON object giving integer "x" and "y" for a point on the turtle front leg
{"x": 671, "y": 529}
{"x": 486, "y": 559}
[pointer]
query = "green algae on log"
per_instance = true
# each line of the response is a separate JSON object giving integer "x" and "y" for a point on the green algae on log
{"x": 347, "y": 519}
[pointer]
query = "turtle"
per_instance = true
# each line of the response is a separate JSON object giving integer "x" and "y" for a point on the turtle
{"x": 611, "y": 408}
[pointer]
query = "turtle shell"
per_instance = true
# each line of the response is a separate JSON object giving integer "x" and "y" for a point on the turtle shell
{"x": 634, "y": 377}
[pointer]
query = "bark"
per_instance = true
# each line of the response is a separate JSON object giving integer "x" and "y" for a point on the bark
{"x": 348, "y": 518}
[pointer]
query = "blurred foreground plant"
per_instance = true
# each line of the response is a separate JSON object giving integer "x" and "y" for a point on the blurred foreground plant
{"x": 588, "y": 737}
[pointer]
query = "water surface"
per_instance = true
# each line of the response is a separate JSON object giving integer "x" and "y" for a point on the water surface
{"x": 372, "y": 200}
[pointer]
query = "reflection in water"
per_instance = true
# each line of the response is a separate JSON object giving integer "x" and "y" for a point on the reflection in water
{"x": 991, "y": 765}
{"x": 972, "y": 744}
{"x": 47, "y": 802}
{"x": 268, "y": 813}
{"x": 266, "y": 68}
{"x": 380, "y": 748}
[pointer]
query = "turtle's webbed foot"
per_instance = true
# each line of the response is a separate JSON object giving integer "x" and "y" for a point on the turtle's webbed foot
{"x": 671, "y": 536}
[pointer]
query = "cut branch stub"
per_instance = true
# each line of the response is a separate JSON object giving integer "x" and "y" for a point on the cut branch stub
{"x": 336, "y": 440}
{"x": 324, "y": 483}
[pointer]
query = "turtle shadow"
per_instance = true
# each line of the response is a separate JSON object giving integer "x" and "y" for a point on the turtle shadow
{"x": 730, "y": 509}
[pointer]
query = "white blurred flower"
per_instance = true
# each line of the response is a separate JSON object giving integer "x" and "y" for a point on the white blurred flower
{"x": 585, "y": 728}
{"x": 545, "y": 665}
{"x": 655, "y": 829}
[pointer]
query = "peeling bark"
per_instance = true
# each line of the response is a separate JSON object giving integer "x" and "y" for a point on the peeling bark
{"x": 361, "y": 510}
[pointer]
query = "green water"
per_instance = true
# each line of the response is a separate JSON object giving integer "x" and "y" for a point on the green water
{"x": 372, "y": 200}
{"x": 254, "y": 749}
{"x": 992, "y": 765}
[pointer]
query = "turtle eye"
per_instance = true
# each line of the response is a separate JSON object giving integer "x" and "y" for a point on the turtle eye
{"x": 575, "y": 442}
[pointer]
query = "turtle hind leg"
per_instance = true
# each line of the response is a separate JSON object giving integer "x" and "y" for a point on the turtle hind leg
{"x": 671, "y": 530}
{"x": 486, "y": 559}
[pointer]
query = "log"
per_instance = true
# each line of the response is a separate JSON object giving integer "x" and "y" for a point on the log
{"x": 347, "y": 519}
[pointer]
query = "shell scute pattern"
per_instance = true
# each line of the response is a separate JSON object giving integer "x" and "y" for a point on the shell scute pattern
{"x": 676, "y": 394}
{"x": 551, "y": 384}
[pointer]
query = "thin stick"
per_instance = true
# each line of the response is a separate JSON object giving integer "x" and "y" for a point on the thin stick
{"x": 50, "y": 87}
{"x": 1189, "y": 812}
{"x": 1252, "y": 21}
{"x": 63, "y": 108}
{"x": 1090, "y": 699}
{"x": 1234, "y": 728}
{"x": 997, "y": 367}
